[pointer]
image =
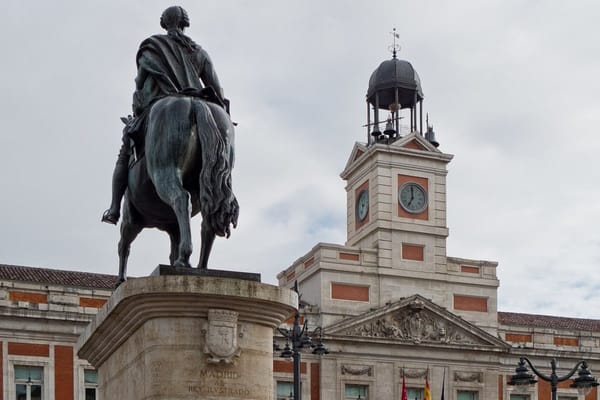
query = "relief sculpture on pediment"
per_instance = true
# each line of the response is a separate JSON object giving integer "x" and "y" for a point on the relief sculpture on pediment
{"x": 414, "y": 324}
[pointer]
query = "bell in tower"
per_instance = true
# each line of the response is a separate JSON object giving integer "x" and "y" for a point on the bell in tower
{"x": 395, "y": 87}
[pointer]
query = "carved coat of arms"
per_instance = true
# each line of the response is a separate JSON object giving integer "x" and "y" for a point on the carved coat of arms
{"x": 221, "y": 336}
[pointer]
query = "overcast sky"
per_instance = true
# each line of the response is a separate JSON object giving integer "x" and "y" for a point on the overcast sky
{"x": 511, "y": 87}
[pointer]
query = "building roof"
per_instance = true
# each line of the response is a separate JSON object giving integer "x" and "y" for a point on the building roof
{"x": 57, "y": 277}
{"x": 392, "y": 75}
{"x": 547, "y": 321}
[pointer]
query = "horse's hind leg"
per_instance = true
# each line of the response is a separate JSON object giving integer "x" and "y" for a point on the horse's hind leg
{"x": 171, "y": 191}
{"x": 174, "y": 236}
{"x": 129, "y": 231}
{"x": 208, "y": 238}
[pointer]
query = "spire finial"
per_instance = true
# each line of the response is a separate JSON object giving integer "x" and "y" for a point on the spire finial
{"x": 394, "y": 48}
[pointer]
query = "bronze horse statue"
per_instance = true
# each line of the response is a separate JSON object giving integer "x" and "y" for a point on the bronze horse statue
{"x": 185, "y": 170}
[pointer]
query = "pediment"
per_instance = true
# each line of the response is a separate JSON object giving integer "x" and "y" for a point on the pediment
{"x": 357, "y": 151}
{"x": 415, "y": 320}
{"x": 415, "y": 141}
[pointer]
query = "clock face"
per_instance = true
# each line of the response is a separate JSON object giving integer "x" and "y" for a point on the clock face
{"x": 412, "y": 197}
{"x": 362, "y": 205}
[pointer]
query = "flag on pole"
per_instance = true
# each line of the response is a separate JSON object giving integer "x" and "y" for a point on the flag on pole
{"x": 427, "y": 391}
{"x": 443, "y": 383}
{"x": 404, "y": 395}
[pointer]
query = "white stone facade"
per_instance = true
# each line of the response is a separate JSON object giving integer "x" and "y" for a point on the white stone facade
{"x": 393, "y": 304}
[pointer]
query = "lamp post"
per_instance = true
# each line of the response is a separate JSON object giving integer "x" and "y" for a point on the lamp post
{"x": 300, "y": 338}
{"x": 584, "y": 381}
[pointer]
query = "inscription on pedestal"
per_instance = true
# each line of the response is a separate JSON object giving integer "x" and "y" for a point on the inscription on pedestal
{"x": 227, "y": 383}
{"x": 220, "y": 383}
{"x": 241, "y": 392}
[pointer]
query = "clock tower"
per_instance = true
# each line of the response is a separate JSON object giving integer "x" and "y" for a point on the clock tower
{"x": 396, "y": 183}
{"x": 396, "y": 219}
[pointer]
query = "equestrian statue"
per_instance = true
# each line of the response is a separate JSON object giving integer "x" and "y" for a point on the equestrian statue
{"x": 178, "y": 148}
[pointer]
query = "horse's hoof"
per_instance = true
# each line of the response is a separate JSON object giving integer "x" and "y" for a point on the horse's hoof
{"x": 182, "y": 264}
{"x": 110, "y": 217}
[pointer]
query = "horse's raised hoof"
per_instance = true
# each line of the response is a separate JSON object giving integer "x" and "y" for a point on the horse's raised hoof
{"x": 109, "y": 217}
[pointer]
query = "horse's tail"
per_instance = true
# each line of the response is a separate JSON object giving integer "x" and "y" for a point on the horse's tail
{"x": 218, "y": 204}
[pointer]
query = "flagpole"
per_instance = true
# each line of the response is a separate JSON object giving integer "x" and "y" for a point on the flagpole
{"x": 443, "y": 385}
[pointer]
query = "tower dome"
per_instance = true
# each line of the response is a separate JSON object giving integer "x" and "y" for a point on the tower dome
{"x": 394, "y": 86}
{"x": 392, "y": 75}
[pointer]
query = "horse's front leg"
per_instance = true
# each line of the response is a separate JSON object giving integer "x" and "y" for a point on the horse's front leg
{"x": 208, "y": 238}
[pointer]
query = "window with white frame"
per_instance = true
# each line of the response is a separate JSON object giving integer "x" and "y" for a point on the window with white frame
{"x": 354, "y": 392}
{"x": 520, "y": 397}
{"x": 466, "y": 395}
{"x": 284, "y": 390}
{"x": 90, "y": 382}
{"x": 563, "y": 397}
{"x": 28, "y": 382}
{"x": 414, "y": 393}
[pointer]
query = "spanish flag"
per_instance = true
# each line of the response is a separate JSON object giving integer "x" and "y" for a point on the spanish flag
{"x": 427, "y": 391}
{"x": 404, "y": 395}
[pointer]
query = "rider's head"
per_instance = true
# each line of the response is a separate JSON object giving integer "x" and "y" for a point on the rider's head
{"x": 174, "y": 18}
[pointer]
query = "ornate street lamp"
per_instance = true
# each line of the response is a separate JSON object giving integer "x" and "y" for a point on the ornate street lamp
{"x": 584, "y": 382}
{"x": 300, "y": 338}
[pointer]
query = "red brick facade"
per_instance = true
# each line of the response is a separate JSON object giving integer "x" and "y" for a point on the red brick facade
{"x": 470, "y": 303}
{"x": 29, "y": 349}
{"x": 63, "y": 372}
{"x": 518, "y": 338}
{"x": 412, "y": 252}
{"x": 91, "y": 302}
{"x": 340, "y": 291}
{"x": 27, "y": 296}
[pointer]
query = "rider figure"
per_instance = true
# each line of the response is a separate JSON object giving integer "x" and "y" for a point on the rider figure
{"x": 167, "y": 65}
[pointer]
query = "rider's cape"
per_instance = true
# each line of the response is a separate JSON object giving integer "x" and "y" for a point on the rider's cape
{"x": 173, "y": 65}
{"x": 167, "y": 66}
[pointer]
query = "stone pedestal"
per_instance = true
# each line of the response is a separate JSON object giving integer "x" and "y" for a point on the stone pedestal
{"x": 187, "y": 337}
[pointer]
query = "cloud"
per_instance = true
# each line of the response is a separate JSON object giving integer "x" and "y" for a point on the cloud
{"x": 510, "y": 87}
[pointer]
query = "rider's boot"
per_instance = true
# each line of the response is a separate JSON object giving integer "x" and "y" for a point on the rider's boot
{"x": 119, "y": 184}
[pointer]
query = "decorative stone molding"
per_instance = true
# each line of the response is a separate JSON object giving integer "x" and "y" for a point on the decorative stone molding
{"x": 468, "y": 376}
{"x": 142, "y": 299}
{"x": 413, "y": 323}
{"x": 357, "y": 370}
{"x": 414, "y": 373}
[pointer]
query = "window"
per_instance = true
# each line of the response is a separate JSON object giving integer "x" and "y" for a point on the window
{"x": 567, "y": 397}
{"x": 90, "y": 382}
{"x": 466, "y": 395}
{"x": 285, "y": 391}
{"x": 519, "y": 397}
{"x": 28, "y": 382}
{"x": 414, "y": 394}
{"x": 352, "y": 392}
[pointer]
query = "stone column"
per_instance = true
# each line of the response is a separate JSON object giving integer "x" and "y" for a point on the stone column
{"x": 187, "y": 337}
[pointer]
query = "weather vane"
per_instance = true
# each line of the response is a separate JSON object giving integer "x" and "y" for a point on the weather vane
{"x": 394, "y": 48}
